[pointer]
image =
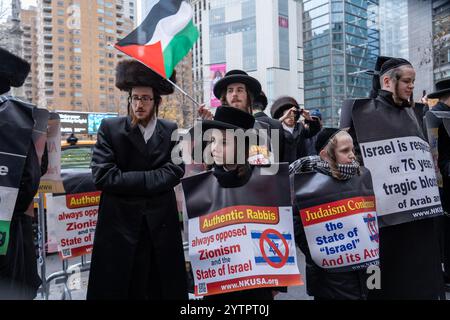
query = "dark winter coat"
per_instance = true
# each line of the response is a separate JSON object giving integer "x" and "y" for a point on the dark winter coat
{"x": 444, "y": 156}
{"x": 294, "y": 144}
{"x": 19, "y": 278}
{"x": 409, "y": 252}
{"x": 274, "y": 125}
{"x": 138, "y": 251}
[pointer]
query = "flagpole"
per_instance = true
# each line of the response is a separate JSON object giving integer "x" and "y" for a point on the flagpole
{"x": 183, "y": 92}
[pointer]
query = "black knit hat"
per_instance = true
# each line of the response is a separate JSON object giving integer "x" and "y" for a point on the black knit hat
{"x": 237, "y": 76}
{"x": 324, "y": 137}
{"x": 229, "y": 118}
{"x": 132, "y": 73}
{"x": 392, "y": 64}
{"x": 13, "y": 71}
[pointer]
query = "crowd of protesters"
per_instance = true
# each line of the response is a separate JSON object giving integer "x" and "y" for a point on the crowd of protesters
{"x": 138, "y": 252}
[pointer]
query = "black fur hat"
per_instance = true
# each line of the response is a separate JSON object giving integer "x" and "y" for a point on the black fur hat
{"x": 281, "y": 104}
{"x": 131, "y": 73}
{"x": 13, "y": 71}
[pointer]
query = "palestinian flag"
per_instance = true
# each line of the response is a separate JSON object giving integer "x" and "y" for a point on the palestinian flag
{"x": 164, "y": 38}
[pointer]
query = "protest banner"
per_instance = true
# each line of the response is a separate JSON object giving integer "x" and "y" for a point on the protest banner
{"x": 241, "y": 238}
{"x": 16, "y": 127}
{"x": 39, "y": 137}
{"x": 74, "y": 218}
{"x": 399, "y": 159}
{"x": 51, "y": 182}
{"x": 340, "y": 220}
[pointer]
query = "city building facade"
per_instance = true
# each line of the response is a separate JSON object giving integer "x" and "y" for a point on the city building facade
{"x": 341, "y": 41}
{"x": 75, "y": 53}
{"x": 260, "y": 37}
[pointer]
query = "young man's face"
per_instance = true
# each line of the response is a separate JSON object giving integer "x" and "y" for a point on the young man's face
{"x": 143, "y": 103}
{"x": 404, "y": 87}
{"x": 237, "y": 96}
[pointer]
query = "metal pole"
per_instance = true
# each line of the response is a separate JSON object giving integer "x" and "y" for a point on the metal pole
{"x": 42, "y": 241}
{"x": 183, "y": 92}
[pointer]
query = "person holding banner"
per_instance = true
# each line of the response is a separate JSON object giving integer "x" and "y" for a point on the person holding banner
{"x": 20, "y": 173}
{"x": 339, "y": 248}
{"x": 443, "y": 94}
{"x": 393, "y": 147}
{"x": 138, "y": 252}
{"x": 232, "y": 185}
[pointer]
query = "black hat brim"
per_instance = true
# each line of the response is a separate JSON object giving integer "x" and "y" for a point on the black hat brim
{"x": 252, "y": 84}
{"x": 214, "y": 124}
{"x": 279, "y": 113}
{"x": 438, "y": 94}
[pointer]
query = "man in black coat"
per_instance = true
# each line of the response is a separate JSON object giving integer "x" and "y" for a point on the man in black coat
{"x": 287, "y": 111}
{"x": 238, "y": 90}
{"x": 259, "y": 105}
{"x": 19, "y": 279}
{"x": 409, "y": 252}
{"x": 443, "y": 94}
{"x": 138, "y": 251}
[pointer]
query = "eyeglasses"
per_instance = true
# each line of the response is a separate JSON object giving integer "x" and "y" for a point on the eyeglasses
{"x": 143, "y": 99}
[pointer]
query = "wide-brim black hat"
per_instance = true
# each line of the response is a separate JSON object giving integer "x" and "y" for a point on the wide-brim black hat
{"x": 442, "y": 89}
{"x": 237, "y": 76}
{"x": 13, "y": 70}
{"x": 229, "y": 118}
{"x": 282, "y": 104}
{"x": 132, "y": 73}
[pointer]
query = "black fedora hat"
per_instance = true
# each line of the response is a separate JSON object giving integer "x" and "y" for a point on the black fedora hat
{"x": 237, "y": 76}
{"x": 442, "y": 88}
{"x": 229, "y": 118}
{"x": 13, "y": 70}
{"x": 282, "y": 104}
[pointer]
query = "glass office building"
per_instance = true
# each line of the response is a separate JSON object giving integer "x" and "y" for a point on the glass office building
{"x": 341, "y": 41}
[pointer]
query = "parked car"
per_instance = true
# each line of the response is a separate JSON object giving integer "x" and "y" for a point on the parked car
{"x": 76, "y": 175}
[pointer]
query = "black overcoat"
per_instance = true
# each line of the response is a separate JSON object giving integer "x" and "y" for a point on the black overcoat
{"x": 138, "y": 251}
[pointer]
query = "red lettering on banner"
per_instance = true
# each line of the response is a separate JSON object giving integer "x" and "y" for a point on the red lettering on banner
{"x": 338, "y": 209}
{"x": 81, "y": 200}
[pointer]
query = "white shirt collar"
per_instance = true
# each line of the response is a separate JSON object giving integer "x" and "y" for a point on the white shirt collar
{"x": 285, "y": 127}
{"x": 148, "y": 131}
